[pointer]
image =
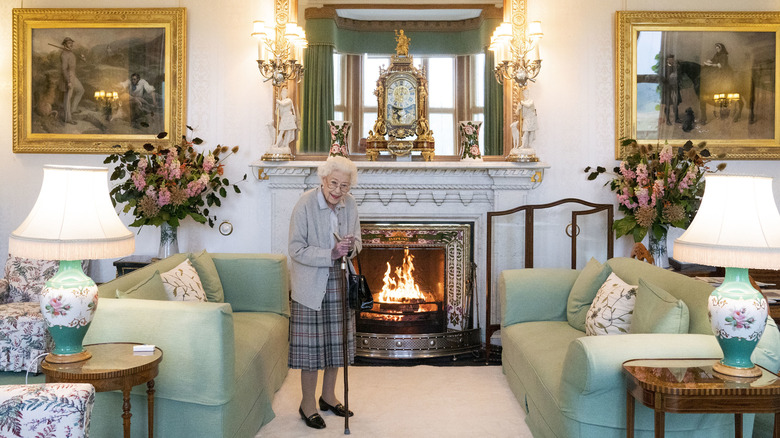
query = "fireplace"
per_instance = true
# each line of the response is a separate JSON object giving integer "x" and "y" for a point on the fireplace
{"x": 391, "y": 192}
{"x": 420, "y": 275}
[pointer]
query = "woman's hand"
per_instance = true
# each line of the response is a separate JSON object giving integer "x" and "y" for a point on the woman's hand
{"x": 342, "y": 247}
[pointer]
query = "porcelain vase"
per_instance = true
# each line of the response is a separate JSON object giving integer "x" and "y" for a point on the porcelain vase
{"x": 469, "y": 140}
{"x": 169, "y": 241}
{"x": 657, "y": 248}
{"x": 738, "y": 314}
{"x": 339, "y": 135}
{"x": 68, "y": 304}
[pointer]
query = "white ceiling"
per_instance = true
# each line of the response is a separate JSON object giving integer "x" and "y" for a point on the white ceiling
{"x": 409, "y": 14}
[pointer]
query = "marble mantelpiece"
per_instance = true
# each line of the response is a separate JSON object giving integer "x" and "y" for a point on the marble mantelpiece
{"x": 410, "y": 192}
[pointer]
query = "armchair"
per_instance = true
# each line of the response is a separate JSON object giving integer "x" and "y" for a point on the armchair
{"x": 55, "y": 410}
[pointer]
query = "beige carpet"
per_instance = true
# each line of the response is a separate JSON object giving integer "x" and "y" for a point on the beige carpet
{"x": 419, "y": 401}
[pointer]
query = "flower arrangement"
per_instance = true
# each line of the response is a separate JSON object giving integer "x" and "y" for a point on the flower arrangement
{"x": 657, "y": 187}
{"x": 167, "y": 185}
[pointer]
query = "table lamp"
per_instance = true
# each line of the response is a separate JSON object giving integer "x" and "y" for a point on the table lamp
{"x": 736, "y": 227}
{"x": 73, "y": 219}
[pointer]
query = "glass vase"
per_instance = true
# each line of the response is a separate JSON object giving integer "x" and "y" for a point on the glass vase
{"x": 169, "y": 242}
{"x": 339, "y": 135}
{"x": 657, "y": 248}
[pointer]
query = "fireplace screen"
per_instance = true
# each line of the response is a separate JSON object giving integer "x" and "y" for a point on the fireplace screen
{"x": 420, "y": 278}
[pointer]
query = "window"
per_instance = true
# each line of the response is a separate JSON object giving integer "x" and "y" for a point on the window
{"x": 455, "y": 92}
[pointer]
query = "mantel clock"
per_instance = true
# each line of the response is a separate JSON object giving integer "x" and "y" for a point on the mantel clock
{"x": 401, "y": 93}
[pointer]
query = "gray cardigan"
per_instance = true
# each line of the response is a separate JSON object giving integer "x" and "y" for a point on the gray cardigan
{"x": 310, "y": 245}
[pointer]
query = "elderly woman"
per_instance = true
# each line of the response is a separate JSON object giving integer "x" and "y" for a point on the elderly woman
{"x": 324, "y": 228}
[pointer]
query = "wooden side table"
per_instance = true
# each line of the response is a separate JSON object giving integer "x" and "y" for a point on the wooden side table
{"x": 131, "y": 263}
{"x": 113, "y": 366}
{"x": 690, "y": 386}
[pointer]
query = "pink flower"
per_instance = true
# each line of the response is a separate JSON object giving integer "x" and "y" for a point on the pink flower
{"x": 627, "y": 173}
{"x": 335, "y": 148}
{"x": 666, "y": 154}
{"x": 208, "y": 163}
{"x": 164, "y": 197}
{"x": 475, "y": 150}
{"x": 139, "y": 179}
{"x": 468, "y": 129}
{"x": 643, "y": 197}
{"x": 642, "y": 178}
{"x": 333, "y": 129}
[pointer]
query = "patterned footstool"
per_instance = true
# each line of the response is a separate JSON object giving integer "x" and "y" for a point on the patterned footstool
{"x": 23, "y": 337}
{"x": 50, "y": 410}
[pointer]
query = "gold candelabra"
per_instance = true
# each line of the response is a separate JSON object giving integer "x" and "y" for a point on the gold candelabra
{"x": 106, "y": 99}
{"x": 280, "y": 52}
{"x": 516, "y": 58}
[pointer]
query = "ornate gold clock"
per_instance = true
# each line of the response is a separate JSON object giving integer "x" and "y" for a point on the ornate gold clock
{"x": 401, "y": 93}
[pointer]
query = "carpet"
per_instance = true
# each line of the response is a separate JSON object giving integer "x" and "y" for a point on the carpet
{"x": 419, "y": 401}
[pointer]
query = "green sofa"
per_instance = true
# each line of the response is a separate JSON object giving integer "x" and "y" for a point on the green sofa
{"x": 572, "y": 385}
{"x": 222, "y": 362}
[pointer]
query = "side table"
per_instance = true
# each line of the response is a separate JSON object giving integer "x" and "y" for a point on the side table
{"x": 113, "y": 366}
{"x": 131, "y": 263}
{"x": 690, "y": 386}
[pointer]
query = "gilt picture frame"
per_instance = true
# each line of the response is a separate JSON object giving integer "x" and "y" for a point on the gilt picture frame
{"x": 63, "y": 59}
{"x": 700, "y": 76}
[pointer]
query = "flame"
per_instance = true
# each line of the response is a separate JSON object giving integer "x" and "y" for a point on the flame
{"x": 401, "y": 288}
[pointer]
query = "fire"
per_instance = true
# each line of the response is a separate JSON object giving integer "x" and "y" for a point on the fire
{"x": 402, "y": 287}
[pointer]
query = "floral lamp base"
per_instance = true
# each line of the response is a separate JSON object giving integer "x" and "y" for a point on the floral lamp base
{"x": 339, "y": 134}
{"x": 68, "y": 304}
{"x": 738, "y": 315}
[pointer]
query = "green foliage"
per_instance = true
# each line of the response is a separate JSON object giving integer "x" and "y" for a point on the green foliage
{"x": 657, "y": 187}
{"x": 167, "y": 185}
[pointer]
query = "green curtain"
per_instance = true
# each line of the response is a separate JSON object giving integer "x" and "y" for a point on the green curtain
{"x": 494, "y": 110}
{"x": 317, "y": 98}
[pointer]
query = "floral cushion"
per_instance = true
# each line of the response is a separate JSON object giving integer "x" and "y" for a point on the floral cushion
{"x": 182, "y": 283}
{"x": 26, "y": 278}
{"x": 612, "y": 309}
{"x": 52, "y": 410}
{"x": 23, "y": 337}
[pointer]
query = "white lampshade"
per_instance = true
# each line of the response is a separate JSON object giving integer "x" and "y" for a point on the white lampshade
{"x": 73, "y": 219}
{"x": 737, "y": 225}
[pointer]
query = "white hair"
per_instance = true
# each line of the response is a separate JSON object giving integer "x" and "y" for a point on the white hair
{"x": 341, "y": 164}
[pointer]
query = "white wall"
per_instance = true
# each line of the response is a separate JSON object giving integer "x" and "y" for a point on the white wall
{"x": 228, "y": 103}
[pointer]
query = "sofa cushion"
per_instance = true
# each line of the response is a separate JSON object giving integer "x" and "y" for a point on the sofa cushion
{"x": 693, "y": 292}
{"x": 26, "y": 278}
{"x": 584, "y": 291}
{"x": 150, "y": 289}
{"x": 209, "y": 276}
{"x": 612, "y": 308}
{"x": 658, "y": 311}
{"x": 182, "y": 283}
{"x": 254, "y": 284}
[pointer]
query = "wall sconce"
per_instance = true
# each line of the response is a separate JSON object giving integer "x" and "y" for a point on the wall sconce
{"x": 106, "y": 99}
{"x": 722, "y": 102}
{"x": 280, "y": 53}
{"x": 516, "y": 58}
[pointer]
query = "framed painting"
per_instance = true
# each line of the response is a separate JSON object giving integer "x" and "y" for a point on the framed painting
{"x": 699, "y": 76}
{"x": 89, "y": 80}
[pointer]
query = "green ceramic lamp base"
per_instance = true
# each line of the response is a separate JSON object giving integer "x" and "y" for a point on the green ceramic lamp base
{"x": 738, "y": 316}
{"x": 68, "y": 304}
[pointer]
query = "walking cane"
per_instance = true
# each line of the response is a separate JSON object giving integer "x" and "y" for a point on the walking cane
{"x": 345, "y": 323}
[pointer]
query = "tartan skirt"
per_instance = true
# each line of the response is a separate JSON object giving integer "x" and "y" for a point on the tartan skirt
{"x": 316, "y": 340}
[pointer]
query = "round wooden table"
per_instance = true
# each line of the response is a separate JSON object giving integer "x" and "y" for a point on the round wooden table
{"x": 113, "y": 366}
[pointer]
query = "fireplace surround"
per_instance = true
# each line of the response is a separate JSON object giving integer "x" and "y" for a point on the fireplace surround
{"x": 390, "y": 192}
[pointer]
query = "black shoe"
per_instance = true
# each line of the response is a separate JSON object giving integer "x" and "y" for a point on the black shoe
{"x": 338, "y": 409}
{"x": 315, "y": 421}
